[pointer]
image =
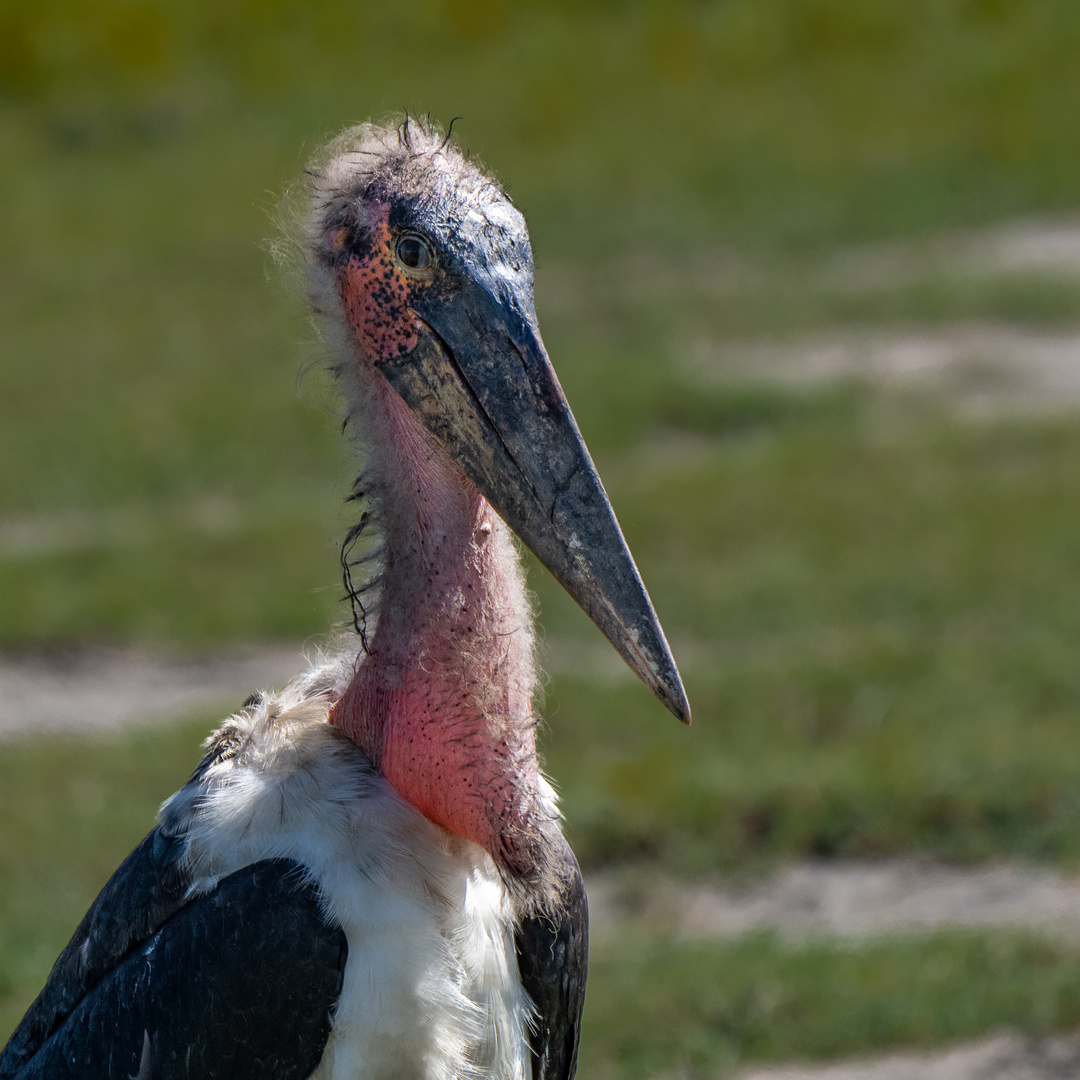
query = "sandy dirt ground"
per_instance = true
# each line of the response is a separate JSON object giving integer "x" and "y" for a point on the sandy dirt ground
{"x": 846, "y": 900}
{"x": 982, "y": 368}
{"x": 1002, "y": 1057}
{"x": 860, "y": 900}
{"x": 98, "y": 690}
{"x": 985, "y": 368}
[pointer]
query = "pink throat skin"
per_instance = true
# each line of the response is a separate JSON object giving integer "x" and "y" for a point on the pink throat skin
{"x": 442, "y": 702}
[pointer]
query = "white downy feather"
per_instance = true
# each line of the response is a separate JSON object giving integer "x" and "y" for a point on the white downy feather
{"x": 431, "y": 988}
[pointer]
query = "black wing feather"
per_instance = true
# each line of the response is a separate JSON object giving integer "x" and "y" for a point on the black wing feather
{"x": 553, "y": 958}
{"x": 146, "y": 889}
{"x": 152, "y": 985}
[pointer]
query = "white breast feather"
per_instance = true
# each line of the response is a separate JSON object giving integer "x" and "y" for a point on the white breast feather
{"x": 431, "y": 988}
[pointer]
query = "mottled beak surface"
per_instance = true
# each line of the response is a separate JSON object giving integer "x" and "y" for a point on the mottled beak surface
{"x": 481, "y": 380}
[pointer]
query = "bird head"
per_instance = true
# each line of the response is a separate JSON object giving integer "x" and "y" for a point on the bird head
{"x": 430, "y": 265}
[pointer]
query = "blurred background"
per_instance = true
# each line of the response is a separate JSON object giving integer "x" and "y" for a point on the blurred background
{"x": 810, "y": 274}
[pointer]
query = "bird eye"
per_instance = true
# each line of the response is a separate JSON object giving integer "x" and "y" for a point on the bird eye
{"x": 415, "y": 255}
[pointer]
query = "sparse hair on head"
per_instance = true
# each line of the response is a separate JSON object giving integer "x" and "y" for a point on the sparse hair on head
{"x": 405, "y": 154}
{"x": 344, "y": 167}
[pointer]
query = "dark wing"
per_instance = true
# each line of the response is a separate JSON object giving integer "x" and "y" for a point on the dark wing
{"x": 239, "y": 982}
{"x": 553, "y": 958}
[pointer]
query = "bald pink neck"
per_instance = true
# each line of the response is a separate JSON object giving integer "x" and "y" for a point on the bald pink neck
{"x": 442, "y": 702}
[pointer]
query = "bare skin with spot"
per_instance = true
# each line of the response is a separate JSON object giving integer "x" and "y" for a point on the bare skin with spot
{"x": 375, "y": 292}
{"x": 442, "y": 703}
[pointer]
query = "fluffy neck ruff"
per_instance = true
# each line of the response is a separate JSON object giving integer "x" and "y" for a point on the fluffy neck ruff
{"x": 442, "y": 700}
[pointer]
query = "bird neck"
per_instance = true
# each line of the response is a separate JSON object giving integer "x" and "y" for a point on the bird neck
{"x": 442, "y": 700}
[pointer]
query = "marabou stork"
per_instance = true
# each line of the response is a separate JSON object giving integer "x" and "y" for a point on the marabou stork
{"x": 366, "y": 875}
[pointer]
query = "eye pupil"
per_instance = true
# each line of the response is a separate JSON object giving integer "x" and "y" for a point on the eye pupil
{"x": 414, "y": 252}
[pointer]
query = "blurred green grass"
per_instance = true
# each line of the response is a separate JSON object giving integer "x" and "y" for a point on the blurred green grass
{"x": 146, "y": 367}
{"x": 876, "y": 603}
{"x": 782, "y": 121}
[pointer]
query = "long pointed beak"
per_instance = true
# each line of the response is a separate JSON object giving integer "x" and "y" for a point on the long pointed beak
{"x": 482, "y": 382}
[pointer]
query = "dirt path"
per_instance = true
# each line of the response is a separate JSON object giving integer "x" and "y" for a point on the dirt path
{"x": 98, "y": 690}
{"x": 857, "y": 900}
{"x": 848, "y": 900}
{"x": 1002, "y": 1057}
{"x": 984, "y": 369}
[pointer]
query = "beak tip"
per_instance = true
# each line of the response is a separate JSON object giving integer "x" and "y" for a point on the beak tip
{"x": 679, "y": 706}
{"x": 668, "y": 687}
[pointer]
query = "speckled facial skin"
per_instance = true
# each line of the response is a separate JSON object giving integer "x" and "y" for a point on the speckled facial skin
{"x": 478, "y": 236}
{"x": 376, "y": 291}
